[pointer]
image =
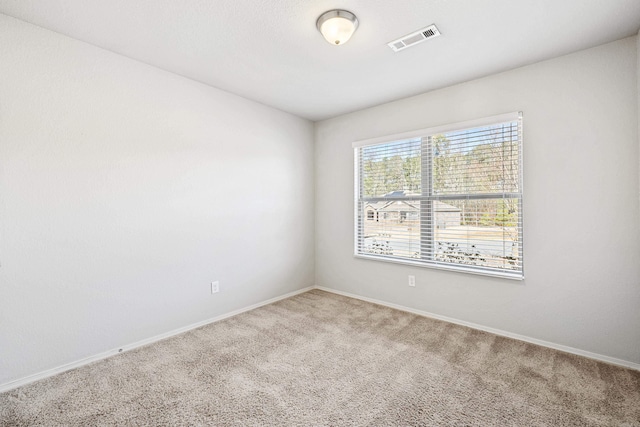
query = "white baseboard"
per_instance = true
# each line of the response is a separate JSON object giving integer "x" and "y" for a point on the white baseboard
{"x": 78, "y": 363}
{"x": 50, "y": 372}
{"x": 566, "y": 349}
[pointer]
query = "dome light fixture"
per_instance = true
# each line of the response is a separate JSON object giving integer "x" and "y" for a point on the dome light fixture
{"x": 337, "y": 26}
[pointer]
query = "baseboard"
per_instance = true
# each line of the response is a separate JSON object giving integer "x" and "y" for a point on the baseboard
{"x": 50, "y": 372}
{"x": 566, "y": 349}
{"x": 78, "y": 363}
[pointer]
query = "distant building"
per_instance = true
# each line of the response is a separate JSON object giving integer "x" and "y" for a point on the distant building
{"x": 401, "y": 211}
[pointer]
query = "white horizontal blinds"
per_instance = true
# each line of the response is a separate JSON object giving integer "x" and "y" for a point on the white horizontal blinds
{"x": 427, "y": 205}
{"x": 450, "y": 199}
{"x": 476, "y": 193}
{"x": 484, "y": 233}
{"x": 389, "y": 202}
{"x": 477, "y": 161}
{"x": 391, "y": 167}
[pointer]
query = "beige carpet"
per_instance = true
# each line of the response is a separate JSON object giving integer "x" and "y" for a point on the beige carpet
{"x": 319, "y": 359}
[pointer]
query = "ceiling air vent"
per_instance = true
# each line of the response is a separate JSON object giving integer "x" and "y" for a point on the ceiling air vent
{"x": 414, "y": 38}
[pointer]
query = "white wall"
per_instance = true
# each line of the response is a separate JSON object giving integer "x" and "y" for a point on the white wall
{"x": 581, "y": 207}
{"x": 125, "y": 190}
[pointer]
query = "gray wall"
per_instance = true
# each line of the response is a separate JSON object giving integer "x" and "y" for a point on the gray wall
{"x": 125, "y": 190}
{"x": 581, "y": 207}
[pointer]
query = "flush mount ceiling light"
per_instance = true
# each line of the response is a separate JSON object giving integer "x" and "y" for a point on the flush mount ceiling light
{"x": 337, "y": 26}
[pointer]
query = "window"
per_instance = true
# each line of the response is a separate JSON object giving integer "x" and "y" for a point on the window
{"x": 450, "y": 197}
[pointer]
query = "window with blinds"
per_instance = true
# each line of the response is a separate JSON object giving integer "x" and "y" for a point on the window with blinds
{"x": 447, "y": 197}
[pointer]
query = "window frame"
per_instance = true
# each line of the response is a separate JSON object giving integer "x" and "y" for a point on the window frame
{"x": 427, "y": 233}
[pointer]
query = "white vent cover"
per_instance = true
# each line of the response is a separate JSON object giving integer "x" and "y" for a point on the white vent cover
{"x": 414, "y": 38}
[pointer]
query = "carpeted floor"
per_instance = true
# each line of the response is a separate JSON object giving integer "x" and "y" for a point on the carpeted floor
{"x": 319, "y": 359}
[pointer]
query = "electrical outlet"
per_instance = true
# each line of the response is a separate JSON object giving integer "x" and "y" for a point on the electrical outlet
{"x": 215, "y": 287}
{"x": 412, "y": 281}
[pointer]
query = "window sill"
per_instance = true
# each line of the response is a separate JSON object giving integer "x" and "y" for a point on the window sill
{"x": 456, "y": 268}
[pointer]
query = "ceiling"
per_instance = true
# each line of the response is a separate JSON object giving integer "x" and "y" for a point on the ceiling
{"x": 270, "y": 51}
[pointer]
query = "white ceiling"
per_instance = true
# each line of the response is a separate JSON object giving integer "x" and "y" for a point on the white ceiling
{"x": 271, "y": 52}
